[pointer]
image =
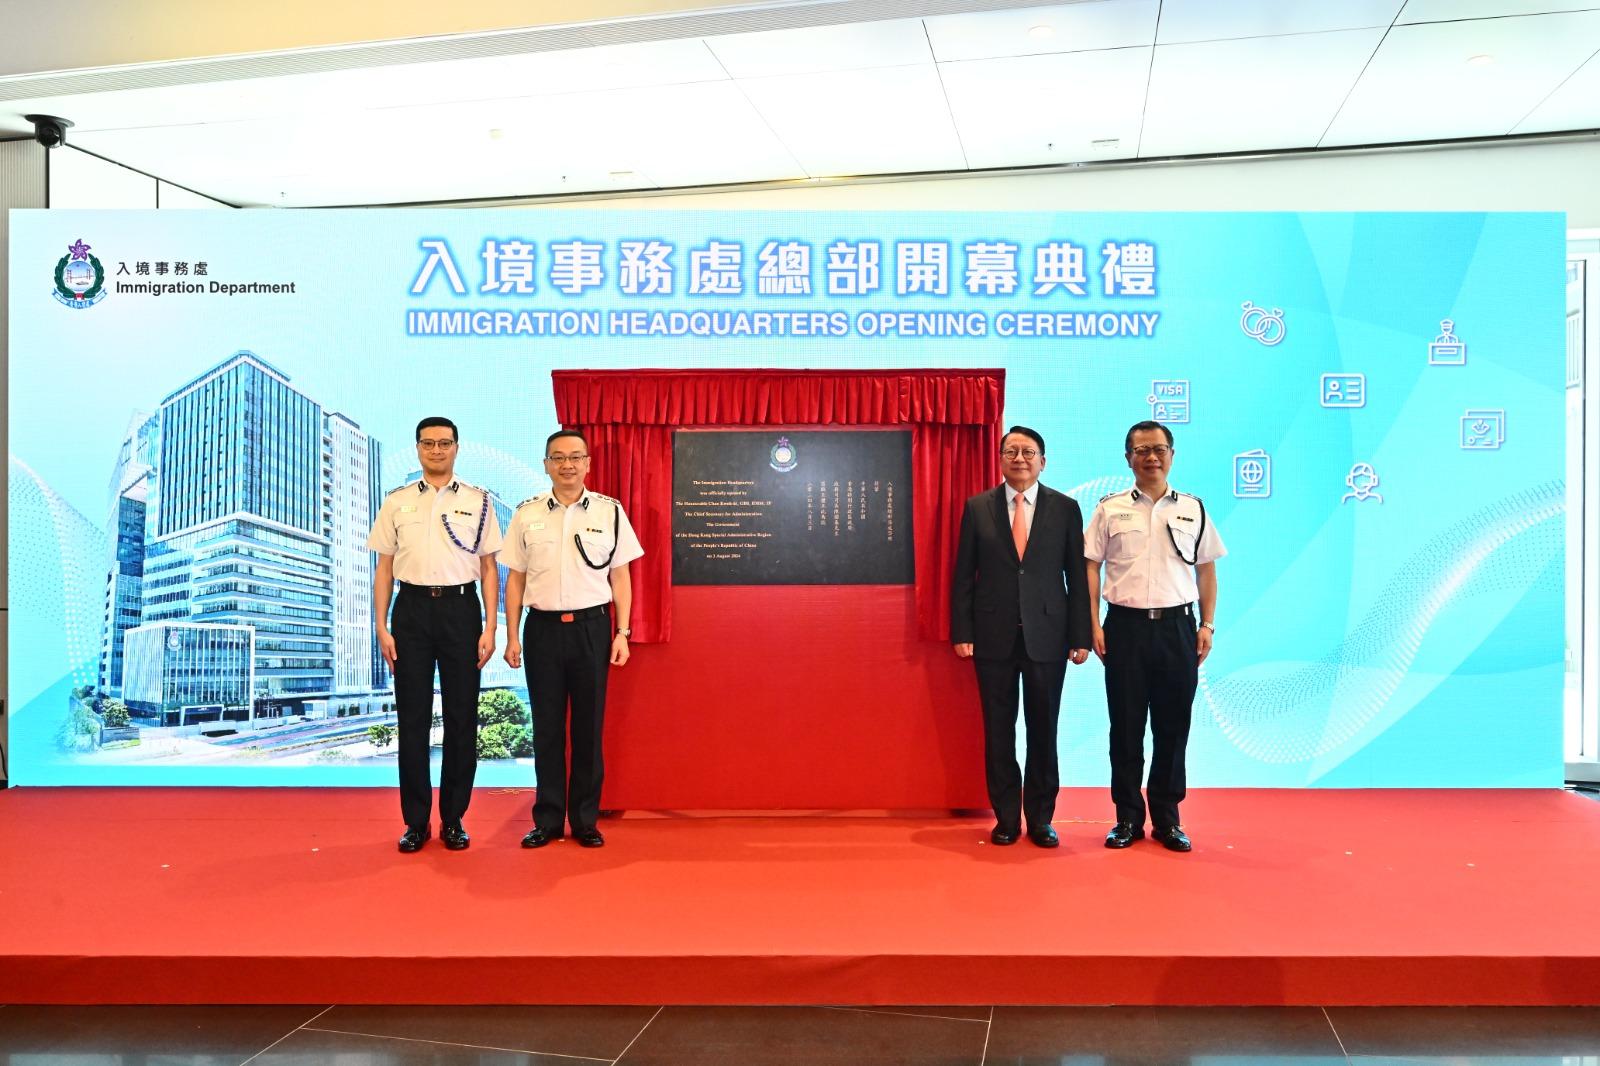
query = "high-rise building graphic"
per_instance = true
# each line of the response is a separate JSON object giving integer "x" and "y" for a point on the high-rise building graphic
{"x": 131, "y": 481}
{"x": 255, "y": 520}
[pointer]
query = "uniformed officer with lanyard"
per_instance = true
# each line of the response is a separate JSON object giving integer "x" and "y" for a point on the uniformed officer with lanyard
{"x": 438, "y": 536}
{"x": 567, "y": 552}
{"x": 1160, "y": 553}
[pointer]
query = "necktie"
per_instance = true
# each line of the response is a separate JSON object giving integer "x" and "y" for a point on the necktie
{"x": 1019, "y": 525}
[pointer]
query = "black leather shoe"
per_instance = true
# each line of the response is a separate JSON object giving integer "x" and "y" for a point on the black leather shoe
{"x": 1003, "y": 837}
{"x": 538, "y": 838}
{"x": 1123, "y": 834}
{"x": 455, "y": 838}
{"x": 1044, "y": 836}
{"x": 1173, "y": 838}
{"x": 414, "y": 837}
{"x": 590, "y": 838}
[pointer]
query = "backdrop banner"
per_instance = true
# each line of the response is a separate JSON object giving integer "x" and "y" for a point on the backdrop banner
{"x": 207, "y": 408}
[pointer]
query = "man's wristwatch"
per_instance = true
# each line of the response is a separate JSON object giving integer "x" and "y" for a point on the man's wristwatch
{"x": 624, "y": 631}
{"x": 1209, "y": 625}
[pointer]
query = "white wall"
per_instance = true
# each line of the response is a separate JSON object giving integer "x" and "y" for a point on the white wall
{"x": 1562, "y": 176}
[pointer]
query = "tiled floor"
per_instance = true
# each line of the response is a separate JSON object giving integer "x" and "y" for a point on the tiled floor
{"x": 797, "y": 1036}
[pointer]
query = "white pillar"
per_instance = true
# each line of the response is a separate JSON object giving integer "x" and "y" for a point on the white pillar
{"x": 24, "y": 174}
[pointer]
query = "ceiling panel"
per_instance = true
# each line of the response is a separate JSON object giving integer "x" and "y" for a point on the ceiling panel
{"x": 1260, "y": 93}
{"x": 1048, "y": 109}
{"x": 1066, "y": 28}
{"x": 1209, "y": 20}
{"x": 631, "y": 138}
{"x": 459, "y": 81}
{"x": 1574, "y": 106}
{"x": 1421, "y": 85}
{"x": 901, "y": 42}
{"x": 886, "y": 121}
{"x": 1452, "y": 10}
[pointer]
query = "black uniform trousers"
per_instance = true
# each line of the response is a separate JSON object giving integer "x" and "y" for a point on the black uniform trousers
{"x": 437, "y": 631}
{"x": 1152, "y": 670}
{"x": 1014, "y": 793}
{"x": 567, "y": 663}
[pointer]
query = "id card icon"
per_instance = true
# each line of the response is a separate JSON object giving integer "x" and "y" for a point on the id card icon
{"x": 1252, "y": 475}
{"x": 1344, "y": 390}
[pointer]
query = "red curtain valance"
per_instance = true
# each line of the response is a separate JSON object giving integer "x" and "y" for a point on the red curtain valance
{"x": 629, "y": 415}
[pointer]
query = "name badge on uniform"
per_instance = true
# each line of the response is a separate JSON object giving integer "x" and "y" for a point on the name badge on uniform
{"x": 1123, "y": 516}
{"x": 536, "y": 525}
{"x": 407, "y": 508}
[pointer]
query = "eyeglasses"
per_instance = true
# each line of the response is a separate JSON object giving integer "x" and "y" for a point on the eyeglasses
{"x": 1019, "y": 453}
{"x": 435, "y": 445}
{"x": 559, "y": 459}
{"x": 1145, "y": 451}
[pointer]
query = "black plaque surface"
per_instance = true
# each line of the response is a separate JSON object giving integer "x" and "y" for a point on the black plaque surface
{"x": 791, "y": 507}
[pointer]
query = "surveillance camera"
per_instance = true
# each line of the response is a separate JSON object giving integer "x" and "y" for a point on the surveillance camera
{"x": 49, "y": 130}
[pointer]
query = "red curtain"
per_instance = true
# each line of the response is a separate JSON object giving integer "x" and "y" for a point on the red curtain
{"x": 628, "y": 417}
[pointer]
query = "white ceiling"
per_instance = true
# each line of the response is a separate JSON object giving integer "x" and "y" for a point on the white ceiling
{"x": 1094, "y": 81}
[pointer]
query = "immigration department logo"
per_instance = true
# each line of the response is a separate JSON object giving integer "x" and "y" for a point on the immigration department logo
{"x": 784, "y": 458}
{"x": 80, "y": 279}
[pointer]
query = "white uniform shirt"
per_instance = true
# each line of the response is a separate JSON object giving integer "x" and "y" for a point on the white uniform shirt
{"x": 540, "y": 542}
{"x": 1139, "y": 539}
{"x": 415, "y": 525}
{"x": 1031, "y": 495}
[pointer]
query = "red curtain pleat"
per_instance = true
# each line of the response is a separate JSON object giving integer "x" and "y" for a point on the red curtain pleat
{"x": 629, "y": 417}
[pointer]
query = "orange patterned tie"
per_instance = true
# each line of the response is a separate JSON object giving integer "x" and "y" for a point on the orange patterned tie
{"x": 1019, "y": 525}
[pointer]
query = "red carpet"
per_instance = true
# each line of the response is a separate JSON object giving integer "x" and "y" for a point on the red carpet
{"x": 1291, "y": 897}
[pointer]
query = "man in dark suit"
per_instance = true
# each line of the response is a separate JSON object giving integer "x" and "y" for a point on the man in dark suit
{"x": 1019, "y": 608}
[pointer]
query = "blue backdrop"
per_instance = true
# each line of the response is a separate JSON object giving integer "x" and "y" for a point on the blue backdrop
{"x": 1370, "y": 406}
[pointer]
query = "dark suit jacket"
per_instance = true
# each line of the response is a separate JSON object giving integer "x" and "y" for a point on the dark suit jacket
{"x": 1046, "y": 591}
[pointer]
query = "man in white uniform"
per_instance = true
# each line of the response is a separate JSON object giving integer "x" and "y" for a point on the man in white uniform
{"x": 567, "y": 552}
{"x": 437, "y": 536}
{"x": 1160, "y": 553}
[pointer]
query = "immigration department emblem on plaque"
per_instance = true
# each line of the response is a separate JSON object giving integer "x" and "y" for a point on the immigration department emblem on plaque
{"x": 784, "y": 458}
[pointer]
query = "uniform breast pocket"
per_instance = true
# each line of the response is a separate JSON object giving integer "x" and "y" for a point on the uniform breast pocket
{"x": 1127, "y": 542}
{"x": 1183, "y": 539}
{"x": 596, "y": 545}
{"x": 539, "y": 548}
{"x": 411, "y": 530}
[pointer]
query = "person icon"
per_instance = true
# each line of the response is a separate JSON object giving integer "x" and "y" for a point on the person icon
{"x": 1447, "y": 349}
{"x": 1363, "y": 482}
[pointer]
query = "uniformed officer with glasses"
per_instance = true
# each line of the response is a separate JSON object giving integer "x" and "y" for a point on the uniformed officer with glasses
{"x": 1159, "y": 552}
{"x": 438, "y": 536}
{"x": 567, "y": 552}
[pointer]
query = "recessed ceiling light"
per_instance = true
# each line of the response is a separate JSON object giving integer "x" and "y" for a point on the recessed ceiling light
{"x": 1041, "y": 32}
{"x": 496, "y": 134}
{"x": 620, "y": 174}
{"x": 1481, "y": 60}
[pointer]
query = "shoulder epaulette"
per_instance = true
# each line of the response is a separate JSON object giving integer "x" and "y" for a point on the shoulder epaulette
{"x": 607, "y": 499}
{"x": 402, "y": 488}
{"x": 531, "y": 499}
{"x": 1108, "y": 495}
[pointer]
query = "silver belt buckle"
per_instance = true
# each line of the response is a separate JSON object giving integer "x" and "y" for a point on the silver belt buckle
{"x": 1153, "y": 612}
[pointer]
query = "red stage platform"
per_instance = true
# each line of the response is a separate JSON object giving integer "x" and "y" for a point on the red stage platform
{"x": 1290, "y": 897}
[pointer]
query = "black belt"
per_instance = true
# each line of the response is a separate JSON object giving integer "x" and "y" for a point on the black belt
{"x": 598, "y": 610}
{"x": 439, "y": 590}
{"x": 1185, "y": 609}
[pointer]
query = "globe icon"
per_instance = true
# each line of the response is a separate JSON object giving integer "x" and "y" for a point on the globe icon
{"x": 1251, "y": 471}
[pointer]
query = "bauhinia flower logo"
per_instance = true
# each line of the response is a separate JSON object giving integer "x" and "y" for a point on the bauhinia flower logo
{"x": 80, "y": 279}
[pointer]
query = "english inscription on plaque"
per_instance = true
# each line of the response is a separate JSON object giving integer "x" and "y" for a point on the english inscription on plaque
{"x": 791, "y": 507}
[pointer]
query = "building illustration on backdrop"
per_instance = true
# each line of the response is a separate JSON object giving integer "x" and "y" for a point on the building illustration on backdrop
{"x": 238, "y": 583}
